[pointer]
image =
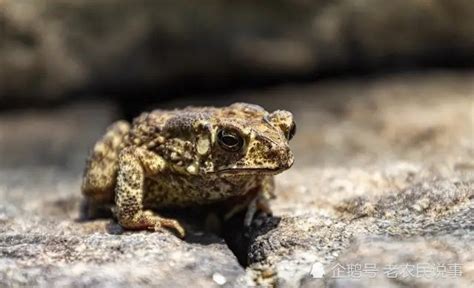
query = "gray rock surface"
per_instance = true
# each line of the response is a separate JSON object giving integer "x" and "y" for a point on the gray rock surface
{"x": 384, "y": 176}
{"x": 43, "y": 243}
{"x": 49, "y": 47}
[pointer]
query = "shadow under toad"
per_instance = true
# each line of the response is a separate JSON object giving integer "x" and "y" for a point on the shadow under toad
{"x": 203, "y": 227}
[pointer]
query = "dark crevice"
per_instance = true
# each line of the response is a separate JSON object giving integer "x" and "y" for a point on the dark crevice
{"x": 239, "y": 239}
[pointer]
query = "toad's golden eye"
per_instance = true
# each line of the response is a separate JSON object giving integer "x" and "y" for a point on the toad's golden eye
{"x": 291, "y": 131}
{"x": 230, "y": 140}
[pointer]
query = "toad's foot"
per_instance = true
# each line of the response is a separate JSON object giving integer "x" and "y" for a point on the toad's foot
{"x": 147, "y": 220}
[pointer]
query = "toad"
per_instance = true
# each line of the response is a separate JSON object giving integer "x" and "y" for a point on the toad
{"x": 188, "y": 157}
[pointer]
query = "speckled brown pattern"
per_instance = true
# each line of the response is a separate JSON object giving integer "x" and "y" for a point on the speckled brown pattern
{"x": 192, "y": 156}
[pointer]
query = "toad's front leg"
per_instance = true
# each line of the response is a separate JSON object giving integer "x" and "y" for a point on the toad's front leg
{"x": 256, "y": 202}
{"x": 260, "y": 202}
{"x": 134, "y": 164}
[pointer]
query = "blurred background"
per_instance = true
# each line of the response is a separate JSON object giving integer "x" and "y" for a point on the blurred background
{"x": 349, "y": 70}
{"x": 383, "y": 96}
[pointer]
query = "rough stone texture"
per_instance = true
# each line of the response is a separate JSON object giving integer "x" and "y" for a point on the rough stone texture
{"x": 425, "y": 211}
{"x": 401, "y": 262}
{"x": 43, "y": 243}
{"x": 384, "y": 176}
{"x": 49, "y": 47}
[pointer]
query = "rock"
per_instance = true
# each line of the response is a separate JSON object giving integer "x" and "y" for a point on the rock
{"x": 49, "y": 48}
{"x": 441, "y": 261}
{"x": 303, "y": 238}
{"x": 43, "y": 243}
{"x": 384, "y": 178}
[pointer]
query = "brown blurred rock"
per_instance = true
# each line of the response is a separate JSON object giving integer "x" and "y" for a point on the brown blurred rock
{"x": 51, "y": 47}
{"x": 58, "y": 136}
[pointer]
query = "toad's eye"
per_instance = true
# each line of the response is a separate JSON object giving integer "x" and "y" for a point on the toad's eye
{"x": 291, "y": 131}
{"x": 230, "y": 140}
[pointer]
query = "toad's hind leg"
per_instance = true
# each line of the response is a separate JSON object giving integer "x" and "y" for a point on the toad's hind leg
{"x": 101, "y": 170}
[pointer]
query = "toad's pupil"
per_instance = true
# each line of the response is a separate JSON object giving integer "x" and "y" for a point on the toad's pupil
{"x": 230, "y": 140}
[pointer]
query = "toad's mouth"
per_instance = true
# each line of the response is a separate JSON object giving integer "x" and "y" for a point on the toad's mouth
{"x": 251, "y": 171}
